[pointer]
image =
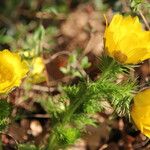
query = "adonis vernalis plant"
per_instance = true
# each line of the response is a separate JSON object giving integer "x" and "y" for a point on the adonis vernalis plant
{"x": 126, "y": 40}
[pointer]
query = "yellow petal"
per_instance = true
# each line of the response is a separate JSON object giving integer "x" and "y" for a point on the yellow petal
{"x": 37, "y": 71}
{"x": 140, "y": 111}
{"x": 12, "y": 70}
{"x": 126, "y": 41}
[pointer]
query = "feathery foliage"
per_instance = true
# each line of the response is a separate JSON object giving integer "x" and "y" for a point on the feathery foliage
{"x": 5, "y": 110}
{"x": 87, "y": 98}
{"x": 27, "y": 147}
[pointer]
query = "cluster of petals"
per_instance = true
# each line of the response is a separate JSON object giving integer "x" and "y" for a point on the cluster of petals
{"x": 126, "y": 40}
{"x": 12, "y": 71}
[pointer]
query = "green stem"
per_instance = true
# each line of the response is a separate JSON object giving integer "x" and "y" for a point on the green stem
{"x": 52, "y": 145}
{"x": 71, "y": 110}
{"x": 107, "y": 71}
{"x": 52, "y": 142}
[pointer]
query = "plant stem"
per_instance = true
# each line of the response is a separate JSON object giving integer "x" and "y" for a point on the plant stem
{"x": 53, "y": 143}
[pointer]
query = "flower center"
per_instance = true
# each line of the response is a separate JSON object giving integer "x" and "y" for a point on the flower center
{"x": 5, "y": 73}
{"x": 119, "y": 56}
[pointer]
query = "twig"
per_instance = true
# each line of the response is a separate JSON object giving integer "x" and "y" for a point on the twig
{"x": 144, "y": 19}
{"x": 56, "y": 55}
{"x": 43, "y": 88}
{"x": 142, "y": 144}
{"x": 81, "y": 70}
{"x": 46, "y": 72}
{"x": 45, "y": 116}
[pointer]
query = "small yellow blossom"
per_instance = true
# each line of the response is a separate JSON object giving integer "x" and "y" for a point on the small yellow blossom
{"x": 12, "y": 70}
{"x": 126, "y": 41}
{"x": 27, "y": 54}
{"x": 140, "y": 111}
{"x": 37, "y": 70}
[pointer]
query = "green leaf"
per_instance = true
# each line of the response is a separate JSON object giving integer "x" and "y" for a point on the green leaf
{"x": 39, "y": 33}
{"x": 27, "y": 147}
{"x": 67, "y": 135}
{"x": 5, "y": 39}
{"x": 73, "y": 58}
{"x": 82, "y": 120}
{"x": 85, "y": 62}
{"x": 51, "y": 105}
{"x": 5, "y": 110}
{"x": 64, "y": 70}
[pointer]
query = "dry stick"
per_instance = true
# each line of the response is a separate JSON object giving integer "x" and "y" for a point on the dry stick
{"x": 46, "y": 72}
{"x": 147, "y": 26}
{"x": 42, "y": 88}
{"x": 45, "y": 116}
{"x": 144, "y": 19}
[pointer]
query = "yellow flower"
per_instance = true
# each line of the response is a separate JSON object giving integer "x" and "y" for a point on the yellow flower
{"x": 37, "y": 71}
{"x": 126, "y": 41}
{"x": 12, "y": 70}
{"x": 140, "y": 111}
